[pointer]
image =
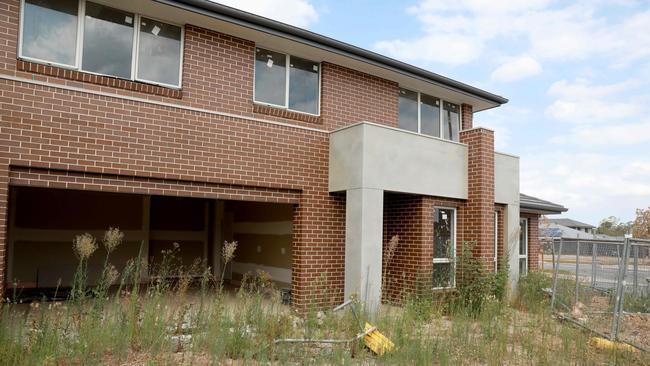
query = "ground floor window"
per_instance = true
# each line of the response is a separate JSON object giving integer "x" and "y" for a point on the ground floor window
{"x": 444, "y": 247}
{"x": 523, "y": 247}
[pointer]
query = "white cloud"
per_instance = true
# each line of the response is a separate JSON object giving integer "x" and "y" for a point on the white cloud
{"x": 516, "y": 69}
{"x": 501, "y": 120}
{"x": 458, "y": 49}
{"x": 591, "y": 185}
{"x": 300, "y": 13}
{"x": 606, "y": 135}
{"x": 582, "y": 102}
{"x": 546, "y": 30}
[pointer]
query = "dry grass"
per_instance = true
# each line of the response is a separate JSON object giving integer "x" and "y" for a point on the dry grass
{"x": 192, "y": 321}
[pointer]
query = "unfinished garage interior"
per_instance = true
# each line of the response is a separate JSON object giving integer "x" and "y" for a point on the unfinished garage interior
{"x": 43, "y": 223}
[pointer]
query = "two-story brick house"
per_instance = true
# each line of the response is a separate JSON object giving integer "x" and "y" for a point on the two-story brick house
{"x": 191, "y": 122}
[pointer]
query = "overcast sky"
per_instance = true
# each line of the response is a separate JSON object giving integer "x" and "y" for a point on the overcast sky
{"x": 577, "y": 75}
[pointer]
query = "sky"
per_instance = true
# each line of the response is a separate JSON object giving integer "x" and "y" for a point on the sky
{"x": 577, "y": 75}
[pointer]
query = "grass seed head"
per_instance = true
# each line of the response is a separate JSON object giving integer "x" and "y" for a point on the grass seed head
{"x": 84, "y": 246}
{"x": 112, "y": 239}
{"x": 229, "y": 250}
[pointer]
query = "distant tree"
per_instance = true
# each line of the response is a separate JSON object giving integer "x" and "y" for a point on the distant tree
{"x": 641, "y": 225}
{"x": 613, "y": 226}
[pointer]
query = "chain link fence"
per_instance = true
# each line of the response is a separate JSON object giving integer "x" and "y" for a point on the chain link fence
{"x": 602, "y": 285}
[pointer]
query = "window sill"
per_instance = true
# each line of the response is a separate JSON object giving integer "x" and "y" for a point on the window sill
{"x": 285, "y": 113}
{"x": 137, "y": 86}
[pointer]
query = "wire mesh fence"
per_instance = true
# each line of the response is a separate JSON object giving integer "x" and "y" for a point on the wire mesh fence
{"x": 603, "y": 285}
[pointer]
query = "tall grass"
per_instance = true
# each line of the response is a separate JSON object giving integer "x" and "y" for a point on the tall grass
{"x": 183, "y": 315}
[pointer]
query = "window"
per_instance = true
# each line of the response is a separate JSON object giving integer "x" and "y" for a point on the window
{"x": 108, "y": 41}
{"x": 159, "y": 52}
{"x": 287, "y": 81}
{"x": 50, "y": 31}
{"x": 94, "y": 38}
{"x": 451, "y": 121}
{"x": 408, "y": 110}
{"x": 444, "y": 248}
{"x": 523, "y": 247}
{"x": 421, "y": 113}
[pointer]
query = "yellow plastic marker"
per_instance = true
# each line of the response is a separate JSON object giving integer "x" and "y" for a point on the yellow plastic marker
{"x": 603, "y": 343}
{"x": 377, "y": 342}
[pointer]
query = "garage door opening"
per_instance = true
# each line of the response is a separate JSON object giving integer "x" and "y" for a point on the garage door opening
{"x": 43, "y": 223}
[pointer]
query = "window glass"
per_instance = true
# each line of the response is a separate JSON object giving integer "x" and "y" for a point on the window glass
{"x": 270, "y": 77}
{"x": 108, "y": 41}
{"x": 159, "y": 52}
{"x": 50, "y": 30}
{"x": 303, "y": 85}
{"x": 451, "y": 121}
{"x": 408, "y": 110}
{"x": 523, "y": 236}
{"x": 429, "y": 115}
{"x": 443, "y": 233}
{"x": 523, "y": 266}
{"x": 443, "y": 275}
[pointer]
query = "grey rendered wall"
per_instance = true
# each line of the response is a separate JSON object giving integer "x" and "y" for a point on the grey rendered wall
{"x": 367, "y": 155}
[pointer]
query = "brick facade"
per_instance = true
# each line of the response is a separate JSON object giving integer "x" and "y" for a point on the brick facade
{"x": 478, "y": 217}
{"x": 208, "y": 139}
{"x": 467, "y": 117}
{"x": 411, "y": 217}
{"x": 533, "y": 241}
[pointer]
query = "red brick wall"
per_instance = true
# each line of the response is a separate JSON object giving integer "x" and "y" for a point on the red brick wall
{"x": 350, "y": 96}
{"x": 501, "y": 235}
{"x": 467, "y": 117}
{"x": 411, "y": 217}
{"x": 533, "y": 241}
{"x": 478, "y": 217}
{"x": 74, "y": 139}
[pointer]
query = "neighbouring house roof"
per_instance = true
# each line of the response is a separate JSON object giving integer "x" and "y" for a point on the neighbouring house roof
{"x": 571, "y": 223}
{"x": 530, "y": 204}
{"x": 257, "y": 22}
{"x": 552, "y": 230}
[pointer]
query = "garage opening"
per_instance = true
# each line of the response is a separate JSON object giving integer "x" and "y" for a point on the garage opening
{"x": 43, "y": 223}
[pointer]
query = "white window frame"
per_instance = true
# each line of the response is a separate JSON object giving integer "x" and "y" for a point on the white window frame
{"x": 452, "y": 260}
{"x": 441, "y": 114}
{"x": 286, "y": 81}
{"x": 496, "y": 241}
{"x": 81, "y": 20}
{"x": 525, "y": 244}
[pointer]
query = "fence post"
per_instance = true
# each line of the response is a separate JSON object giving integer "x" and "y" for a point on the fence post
{"x": 594, "y": 251}
{"x": 577, "y": 272}
{"x": 635, "y": 279}
{"x": 555, "y": 274}
{"x": 620, "y": 290}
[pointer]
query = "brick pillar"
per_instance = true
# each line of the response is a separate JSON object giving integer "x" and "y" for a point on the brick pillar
{"x": 533, "y": 242}
{"x": 467, "y": 117}
{"x": 478, "y": 215}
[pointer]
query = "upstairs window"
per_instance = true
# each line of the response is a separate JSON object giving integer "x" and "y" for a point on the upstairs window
{"x": 421, "y": 113}
{"x": 451, "y": 121}
{"x": 287, "y": 81}
{"x": 85, "y": 36}
{"x": 108, "y": 41}
{"x": 50, "y": 31}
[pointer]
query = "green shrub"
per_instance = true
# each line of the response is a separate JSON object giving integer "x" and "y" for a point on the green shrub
{"x": 637, "y": 303}
{"x": 530, "y": 294}
{"x": 476, "y": 286}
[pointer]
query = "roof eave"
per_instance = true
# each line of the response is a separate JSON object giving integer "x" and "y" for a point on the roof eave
{"x": 257, "y": 22}
{"x": 542, "y": 209}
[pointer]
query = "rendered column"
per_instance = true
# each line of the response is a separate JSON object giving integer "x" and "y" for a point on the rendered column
{"x": 363, "y": 245}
